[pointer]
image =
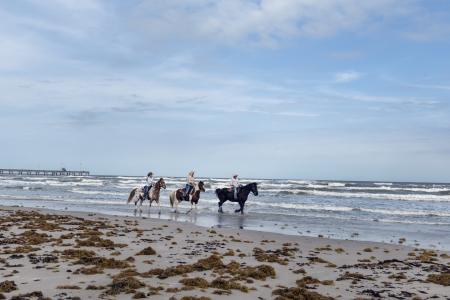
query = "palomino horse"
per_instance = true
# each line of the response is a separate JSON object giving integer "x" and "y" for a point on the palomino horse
{"x": 177, "y": 196}
{"x": 227, "y": 194}
{"x": 137, "y": 194}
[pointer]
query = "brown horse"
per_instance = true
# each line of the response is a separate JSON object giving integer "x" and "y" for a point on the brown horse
{"x": 138, "y": 194}
{"x": 177, "y": 196}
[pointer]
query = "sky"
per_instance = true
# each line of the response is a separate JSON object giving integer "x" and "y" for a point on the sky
{"x": 306, "y": 89}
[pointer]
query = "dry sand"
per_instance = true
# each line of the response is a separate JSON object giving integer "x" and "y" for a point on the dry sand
{"x": 68, "y": 255}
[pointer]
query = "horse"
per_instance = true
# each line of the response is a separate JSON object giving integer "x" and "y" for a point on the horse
{"x": 177, "y": 196}
{"x": 227, "y": 194}
{"x": 138, "y": 194}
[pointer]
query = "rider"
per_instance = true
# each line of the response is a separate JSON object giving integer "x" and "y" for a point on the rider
{"x": 148, "y": 184}
{"x": 190, "y": 184}
{"x": 235, "y": 185}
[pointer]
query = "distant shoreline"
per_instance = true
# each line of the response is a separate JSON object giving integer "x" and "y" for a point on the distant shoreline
{"x": 275, "y": 179}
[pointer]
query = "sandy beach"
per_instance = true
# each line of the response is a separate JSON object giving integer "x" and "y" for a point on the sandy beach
{"x": 68, "y": 255}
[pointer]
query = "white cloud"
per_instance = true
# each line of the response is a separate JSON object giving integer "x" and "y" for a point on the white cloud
{"x": 343, "y": 77}
{"x": 265, "y": 22}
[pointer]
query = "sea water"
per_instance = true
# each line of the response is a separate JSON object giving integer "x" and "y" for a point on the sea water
{"x": 359, "y": 210}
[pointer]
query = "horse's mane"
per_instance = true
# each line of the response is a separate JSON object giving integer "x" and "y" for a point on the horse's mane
{"x": 250, "y": 184}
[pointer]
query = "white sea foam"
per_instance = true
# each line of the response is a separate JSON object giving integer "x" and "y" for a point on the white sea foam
{"x": 388, "y": 188}
{"x": 300, "y": 206}
{"x": 301, "y": 182}
{"x": 311, "y": 207}
{"x": 80, "y": 191}
{"x": 421, "y": 222}
{"x": 406, "y": 197}
{"x": 336, "y": 184}
{"x": 407, "y": 212}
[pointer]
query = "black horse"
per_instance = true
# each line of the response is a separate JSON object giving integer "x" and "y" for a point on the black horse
{"x": 227, "y": 194}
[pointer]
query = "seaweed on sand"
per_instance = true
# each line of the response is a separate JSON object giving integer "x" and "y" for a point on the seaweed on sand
{"x": 171, "y": 271}
{"x": 103, "y": 262}
{"x": 28, "y": 296}
{"x": 31, "y": 237}
{"x": 77, "y": 253}
{"x": 214, "y": 262}
{"x": 96, "y": 241}
{"x": 298, "y": 293}
{"x": 225, "y": 284}
{"x": 277, "y": 256}
{"x": 355, "y": 277}
{"x": 89, "y": 271}
{"x": 126, "y": 273}
{"x": 124, "y": 285}
{"x": 260, "y": 272}
{"x": 195, "y": 282}
{"x": 147, "y": 251}
{"x": 68, "y": 287}
{"x": 7, "y": 286}
{"x": 95, "y": 287}
{"x": 21, "y": 249}
{"x": 139, "y": 295}
{"x": 427, "y": 256}
{"x": 442, "y": 279}
{"x": 311, "y": 280}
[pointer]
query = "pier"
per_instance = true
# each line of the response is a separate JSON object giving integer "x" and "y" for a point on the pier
{"x": 62, "y": 172}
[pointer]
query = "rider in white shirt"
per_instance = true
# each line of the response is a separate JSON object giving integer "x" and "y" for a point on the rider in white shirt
{"x": 235, "y": 185}
{"x": 148, "y": 184}
{"x": 190, "y": 183}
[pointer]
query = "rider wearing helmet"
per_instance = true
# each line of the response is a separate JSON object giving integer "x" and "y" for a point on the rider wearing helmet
{"x": 148, "y": 184}
{"x": 235, "y": 185}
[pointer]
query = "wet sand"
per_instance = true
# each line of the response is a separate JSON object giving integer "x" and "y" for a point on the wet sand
{"x": 70, "y": 255}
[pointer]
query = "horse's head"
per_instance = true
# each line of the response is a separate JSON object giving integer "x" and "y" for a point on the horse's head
{"x": 162, "y": 183}
{"x": 201, "y": 186}
{"x": 254, "y": 188}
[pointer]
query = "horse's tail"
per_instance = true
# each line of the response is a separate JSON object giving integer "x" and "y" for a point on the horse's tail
{"x": 132, "y": 194}
{"x": 172, "y": 198}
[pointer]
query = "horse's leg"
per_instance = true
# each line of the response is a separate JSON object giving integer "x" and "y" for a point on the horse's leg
{"x": 241, "y": 207}
{"x": 159, "y": 206}
{"x": 176, "y": 205}
{"x": 220, "y": 205}
{"x": 242, "y": 204}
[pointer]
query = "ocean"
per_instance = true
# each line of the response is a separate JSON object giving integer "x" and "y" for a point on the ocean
{"x": 388, "y": 212}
